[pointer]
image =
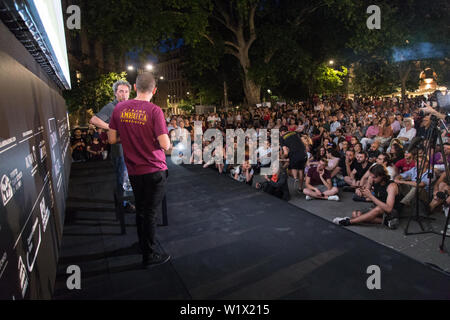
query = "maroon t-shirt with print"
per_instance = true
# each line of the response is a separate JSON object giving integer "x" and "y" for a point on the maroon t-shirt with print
{"x": 139, "y": 124}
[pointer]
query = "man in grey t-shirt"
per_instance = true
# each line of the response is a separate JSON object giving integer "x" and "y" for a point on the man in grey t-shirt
{"x": 101, "y": 120}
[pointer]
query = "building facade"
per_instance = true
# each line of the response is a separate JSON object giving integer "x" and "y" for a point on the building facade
{"x": 172, "y": 85}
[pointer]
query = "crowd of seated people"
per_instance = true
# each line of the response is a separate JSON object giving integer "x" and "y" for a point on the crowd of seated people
{"x": 89, "y": 144}
{"x": 333, "y": 145}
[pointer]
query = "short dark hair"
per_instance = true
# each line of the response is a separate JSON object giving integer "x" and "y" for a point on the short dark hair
{"x": 120, "y": 83}
{"x": 283, "y": 128}
{"x": 364, "y": 153}
{"x": 379, "y": 170}
{"x": 387, "y": 157}
{"x": 145, "y": 82}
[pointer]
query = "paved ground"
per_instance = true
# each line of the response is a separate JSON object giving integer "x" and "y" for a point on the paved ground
{"x": 423, "y": 247}
{"x": 110, "y": 262}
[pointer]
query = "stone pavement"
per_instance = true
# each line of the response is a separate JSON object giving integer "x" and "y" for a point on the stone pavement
{"x": 423, "y": 247}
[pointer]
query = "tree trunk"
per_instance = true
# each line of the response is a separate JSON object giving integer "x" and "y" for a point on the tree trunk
{"x": 403, "y": 88}
{"x": 404, "y": 70}
{"x": 225, "y": 95}
{"x": 252, "y": 92}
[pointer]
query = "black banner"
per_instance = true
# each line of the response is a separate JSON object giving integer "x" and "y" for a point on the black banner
{"x": 34, "y": 171}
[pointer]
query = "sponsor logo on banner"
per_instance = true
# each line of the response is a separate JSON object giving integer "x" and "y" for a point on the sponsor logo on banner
{"x": 53, "y": 140}
{"x": 3, "y": 263}
{"x": 43, "y": 151}
{"x": 23, "y": 277}
{"x": 7, "y": 144}
{"x": 31, "y": 161}
{"x": 62, "y": 129}
{"x": 6, "y": 189}
{"x": 9, "y": 184}
{"x": 34, "y": 243}
{"x": 45, "y": 213}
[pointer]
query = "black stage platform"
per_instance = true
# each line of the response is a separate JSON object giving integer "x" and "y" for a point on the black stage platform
{"x": 228, "y": 241}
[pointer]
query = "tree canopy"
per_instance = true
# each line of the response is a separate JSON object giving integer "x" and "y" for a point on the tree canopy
{"x": 249, "y": 46}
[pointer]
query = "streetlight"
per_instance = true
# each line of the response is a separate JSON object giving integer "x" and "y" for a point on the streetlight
{"x": 269, "y": 92}
{"x": 161, "y": 78}
{"x": 130, "y": 68}
{"x": 331, "y": 62}
{"x": 149, "y": 67}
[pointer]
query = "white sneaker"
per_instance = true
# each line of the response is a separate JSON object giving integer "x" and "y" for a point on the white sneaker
{"x": 309, "y": 198}
{"x": 345, "y": 221}
{"x": 333, "y": 198}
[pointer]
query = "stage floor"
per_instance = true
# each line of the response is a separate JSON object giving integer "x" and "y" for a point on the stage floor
{"x": 227, "y": 241}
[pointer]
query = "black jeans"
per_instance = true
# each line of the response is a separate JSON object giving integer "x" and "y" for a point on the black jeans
{"x": 149, "y": 190}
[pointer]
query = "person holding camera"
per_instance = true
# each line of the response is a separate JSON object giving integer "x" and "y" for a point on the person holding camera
{"x": 441, "y": 192}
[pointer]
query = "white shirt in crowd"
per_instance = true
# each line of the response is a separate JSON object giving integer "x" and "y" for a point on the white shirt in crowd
{"x": 263, "y": 152}
{"x": 334, "y": 126}
{"x": 407, "y": 134}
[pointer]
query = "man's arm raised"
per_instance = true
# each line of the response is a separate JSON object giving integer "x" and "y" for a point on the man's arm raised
{"x": 99, "y": 123}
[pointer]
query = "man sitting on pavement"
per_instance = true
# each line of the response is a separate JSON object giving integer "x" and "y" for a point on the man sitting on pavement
{"x": 384, "y": 194}
{"x": 345, "y": 167}
{"x": 407, "y": 182}
{"x": 361, "y": 167}
{"x": 318, "y": 183}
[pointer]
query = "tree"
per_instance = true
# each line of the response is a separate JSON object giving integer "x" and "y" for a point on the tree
{"x": 92, "y": 92}
{"x": 330, "y": 80}
{"x": 405, "y": 24}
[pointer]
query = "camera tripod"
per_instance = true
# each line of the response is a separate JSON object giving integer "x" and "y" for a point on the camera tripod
{"x": 433, "y": 134}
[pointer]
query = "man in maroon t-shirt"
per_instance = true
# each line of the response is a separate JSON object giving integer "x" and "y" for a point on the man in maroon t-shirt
{"x": 144, "y": 136}
{"x": 318, "y": 183}
{"x": 406, "y": 163}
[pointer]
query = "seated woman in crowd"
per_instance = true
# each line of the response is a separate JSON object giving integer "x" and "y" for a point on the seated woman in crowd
{"x": 243, "y": 173}
{"x": 292, "y": 126}
{"x": 371, "y": 133}
{"x": 358, "y": 148}
{"x": 396, "y": 153}
{"x": 407, "y": 133}
{"x": 385, "y": 196}
{"x": 385, "y": 133}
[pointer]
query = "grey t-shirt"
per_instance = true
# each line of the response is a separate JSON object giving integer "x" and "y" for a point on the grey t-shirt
{"x": 105, "y": 114}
